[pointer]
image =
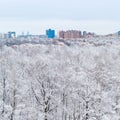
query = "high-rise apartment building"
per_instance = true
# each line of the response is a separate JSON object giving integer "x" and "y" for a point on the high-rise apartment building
{"x": 50, "y": 33}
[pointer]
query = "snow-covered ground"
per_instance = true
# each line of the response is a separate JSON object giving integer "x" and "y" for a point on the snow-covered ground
{"x": 77, "y": 80}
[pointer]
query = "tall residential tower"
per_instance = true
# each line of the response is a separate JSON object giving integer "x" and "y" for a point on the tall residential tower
{"x": 50, "y": 33}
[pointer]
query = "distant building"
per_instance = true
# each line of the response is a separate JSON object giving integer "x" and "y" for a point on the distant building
{"x": 3, "y": 36}
{"x": 27, "y": 35}
{"x": 118, "y": 33}
{"x": 50, "y": 33}
{"x": 11, "y": 34}
{"x": 84, "y": 33}
{"x": 42, "y": 36}
{"x": 89, "y": 34}
{"x": 61, "y": 34}
{"x": 70, "y": 34}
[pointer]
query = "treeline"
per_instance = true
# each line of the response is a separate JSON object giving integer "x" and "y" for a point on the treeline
{"x": 49, "y": 82}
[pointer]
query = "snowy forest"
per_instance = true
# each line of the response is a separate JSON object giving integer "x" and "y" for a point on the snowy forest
{"x": 60, "y": 82}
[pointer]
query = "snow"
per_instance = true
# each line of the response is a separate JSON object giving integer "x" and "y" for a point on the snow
{"x": 79, "y": 81}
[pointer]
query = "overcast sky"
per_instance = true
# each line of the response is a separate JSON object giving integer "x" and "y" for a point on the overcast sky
{"x": 99, "y": 16}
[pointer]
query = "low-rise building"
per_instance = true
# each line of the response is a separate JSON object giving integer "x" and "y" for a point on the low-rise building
{"x": 70, "y": 34}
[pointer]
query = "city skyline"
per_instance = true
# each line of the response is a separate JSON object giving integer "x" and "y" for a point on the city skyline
{"x": 36, "y": 16}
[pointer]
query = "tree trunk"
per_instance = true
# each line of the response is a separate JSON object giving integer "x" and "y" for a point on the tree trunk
{"x": 4, "y": 94}
{"x": 14, "y": 104}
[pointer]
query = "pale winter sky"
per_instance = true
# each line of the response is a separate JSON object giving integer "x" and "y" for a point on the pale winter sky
{"x": 35, "y": 16}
